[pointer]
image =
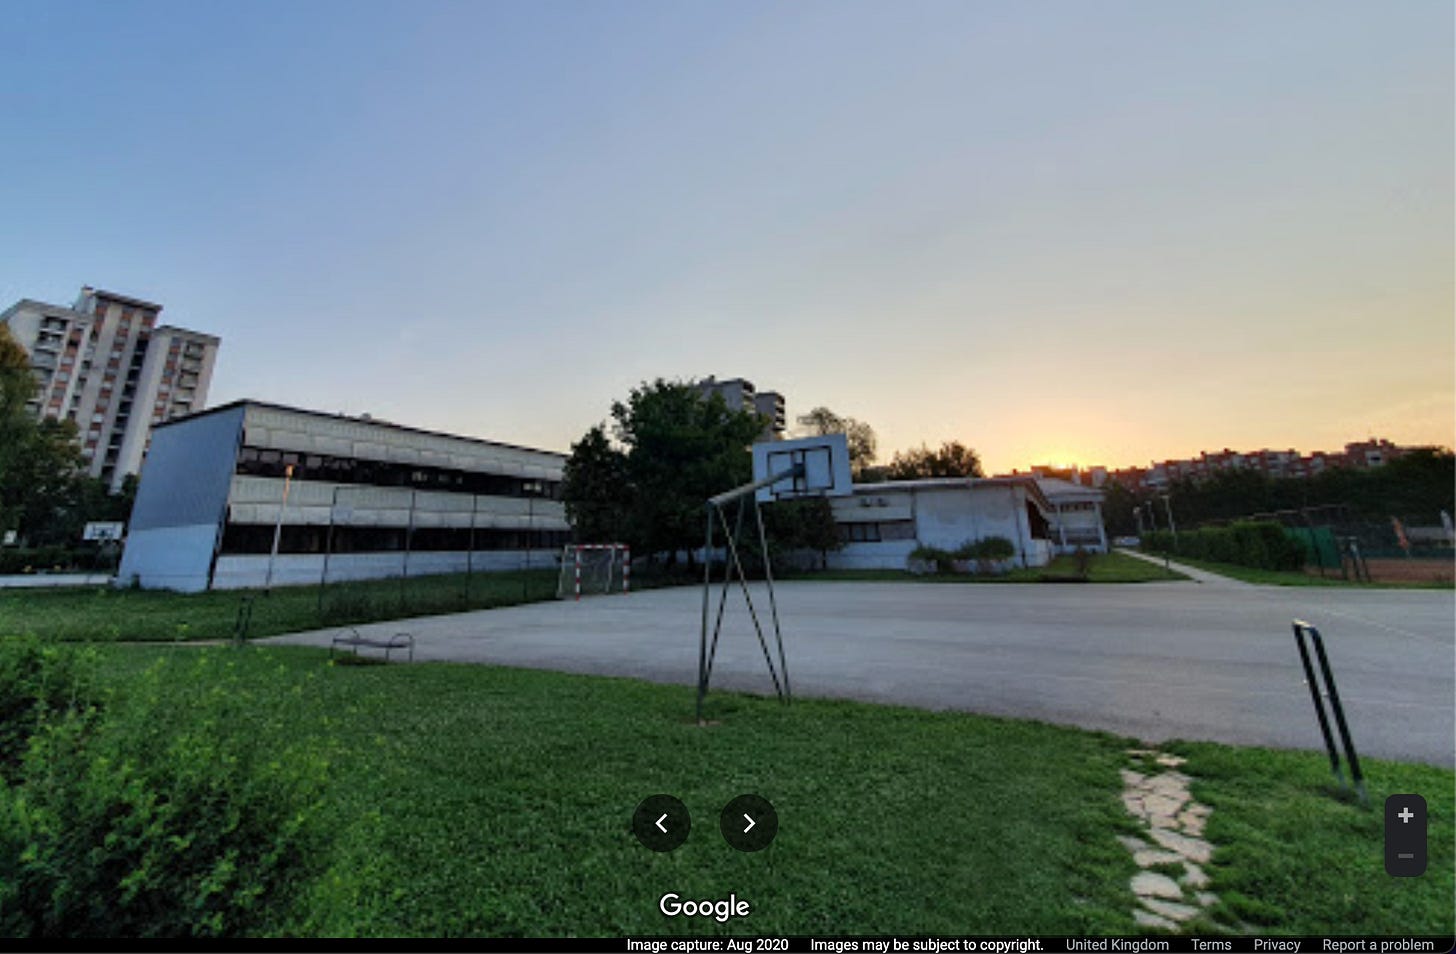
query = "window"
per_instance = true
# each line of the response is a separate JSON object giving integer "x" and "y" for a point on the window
{"x": 345, "y": 470}
{"x": 859, "y": 532}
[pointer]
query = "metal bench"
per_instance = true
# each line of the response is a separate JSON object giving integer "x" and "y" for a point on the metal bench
{"x": 352, "y": 637}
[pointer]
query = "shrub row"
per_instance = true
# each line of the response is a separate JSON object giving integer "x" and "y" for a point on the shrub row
{"x": 987, "y": 549}
{"x": 41, "y": 559}
{"x": 165, "y": 812}
{"x": 1260, "y": 544}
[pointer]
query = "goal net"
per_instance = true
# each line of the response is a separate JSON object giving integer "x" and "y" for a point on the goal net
{"x": 594, "y": 569}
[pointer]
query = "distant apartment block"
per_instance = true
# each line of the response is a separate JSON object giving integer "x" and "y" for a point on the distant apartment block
{"x": 107, "y": 365}
{"x": 1273, "y": 463}
{"x": 738, "y": 394}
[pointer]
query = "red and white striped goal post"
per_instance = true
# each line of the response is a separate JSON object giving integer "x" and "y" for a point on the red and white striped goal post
{"x": 626, "y": 552}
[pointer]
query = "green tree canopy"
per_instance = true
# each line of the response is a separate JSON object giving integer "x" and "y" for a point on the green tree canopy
{"x": 951, "y": 459}
{"x": 669, "y": 451}
{"x": 859, "y": 435}
{"x": 594, "y": 487}
{"x": 43, "y": 493}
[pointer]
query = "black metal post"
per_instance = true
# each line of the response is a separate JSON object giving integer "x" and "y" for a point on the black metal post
{"x": 1355, "y": 774}
{"x": 1357, "y": 777}
{"x": 1319, "y": 705}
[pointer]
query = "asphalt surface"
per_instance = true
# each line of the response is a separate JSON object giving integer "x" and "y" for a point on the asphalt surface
{"x": 1154, "y": 661}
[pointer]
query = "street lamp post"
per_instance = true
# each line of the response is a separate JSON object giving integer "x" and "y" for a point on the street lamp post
{"x": 278, "y": 528}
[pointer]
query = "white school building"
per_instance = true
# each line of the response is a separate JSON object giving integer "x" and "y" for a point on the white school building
{"x": 352, "y": 497}
{"x": 880, "y": 524}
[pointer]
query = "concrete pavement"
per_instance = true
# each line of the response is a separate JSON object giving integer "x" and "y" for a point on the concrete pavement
{"x": 1154, "y": 660}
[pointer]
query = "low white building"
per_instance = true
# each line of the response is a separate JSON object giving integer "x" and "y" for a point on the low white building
{"x": 351, "y": 497}
{"x": 881, "y": 524}
{"x": 1076, "y": 515}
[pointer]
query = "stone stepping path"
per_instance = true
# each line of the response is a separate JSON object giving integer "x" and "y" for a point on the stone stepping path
{"x": 1172, "y": 887}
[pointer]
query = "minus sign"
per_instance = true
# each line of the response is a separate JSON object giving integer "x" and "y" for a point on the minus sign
{"x": 1405, "y": 854}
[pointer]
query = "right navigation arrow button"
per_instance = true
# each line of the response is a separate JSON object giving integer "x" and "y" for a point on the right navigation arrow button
{"x": 749, "y": 823}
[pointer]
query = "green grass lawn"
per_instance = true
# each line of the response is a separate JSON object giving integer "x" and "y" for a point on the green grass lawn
{"x": 491, "y": 801}
{"x": 105, "y": 613}
{"x": 1102, "y": 568}
{"x": 1294, "y": 577}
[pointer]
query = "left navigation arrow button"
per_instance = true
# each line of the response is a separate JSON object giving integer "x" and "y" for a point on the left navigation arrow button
{"x": 661, "y": 823}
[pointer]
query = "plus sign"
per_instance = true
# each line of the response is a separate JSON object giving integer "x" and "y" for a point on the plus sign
{"x": 1405, "y": 815}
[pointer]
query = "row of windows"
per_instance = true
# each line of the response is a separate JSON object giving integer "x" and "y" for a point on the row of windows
{"x": 259, "y": 462}
{"x": 241, "y": 538}
{"x": 876, "y": 532}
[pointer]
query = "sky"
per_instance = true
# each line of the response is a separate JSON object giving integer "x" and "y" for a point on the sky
{"x": 1068, "y": 232}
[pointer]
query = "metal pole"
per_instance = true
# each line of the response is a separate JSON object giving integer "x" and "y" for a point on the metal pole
{"x": 470, "y": 555}
{"x": 1355, "y": 774}
{"x": 707, "y": 591}
{"x": 409, "y": 533}
{"x": 1173, "y": 527}
{"x": 748, "y": 596}
{"x": 772, "y": 603}
{"x": 328, "y": 549}
{"x": 278, "y": 527}
{"x": 530, "y": 513}
{"x": 1319, "y": 705}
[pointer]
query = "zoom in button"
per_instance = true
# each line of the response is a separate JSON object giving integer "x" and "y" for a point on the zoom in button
{"x": 1405, "y": 836}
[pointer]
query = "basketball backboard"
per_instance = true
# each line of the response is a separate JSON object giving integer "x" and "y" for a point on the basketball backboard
{"x": 825, "y": 467}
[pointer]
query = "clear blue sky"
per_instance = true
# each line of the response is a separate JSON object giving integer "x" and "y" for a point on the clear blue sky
{"x": 1098, "y": 231}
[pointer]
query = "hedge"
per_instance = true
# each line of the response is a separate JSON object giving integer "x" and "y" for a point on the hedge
{"x": 1259, "y": 544}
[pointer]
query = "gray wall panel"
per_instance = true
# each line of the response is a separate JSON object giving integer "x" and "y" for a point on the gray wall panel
{"x": 188, "y": 472}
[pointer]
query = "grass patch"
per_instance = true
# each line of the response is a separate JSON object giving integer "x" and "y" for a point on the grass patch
{"x": 1102, "y": 568}
{"x": 105, "y": 613}
{"x": 1294, "y": 858}
{"x": 477, "y": 800}
{"x": 1297, "y": 577}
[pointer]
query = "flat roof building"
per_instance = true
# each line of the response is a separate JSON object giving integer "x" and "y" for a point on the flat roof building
{"x": 740, "y": 394}
{"x": 882, "y": 524}
{"x": 351, "y": 496}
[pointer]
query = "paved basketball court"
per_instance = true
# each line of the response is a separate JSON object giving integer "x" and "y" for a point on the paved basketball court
{"x": 1153, "y": 660}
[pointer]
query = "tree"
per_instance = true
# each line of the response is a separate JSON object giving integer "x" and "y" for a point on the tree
{"x": 859, "y": 435}
{"x": 594, "y": 487}
{"x": 670, "y": 450}
{"x": 1118, "y": 504}
{"x": 41, "y": 485}
{"x": 17, "y": 427}
{"x": 806, "y": 524}
{"x": 951, "y": 459}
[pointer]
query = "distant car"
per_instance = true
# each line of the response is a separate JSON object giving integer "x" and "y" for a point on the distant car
{"x": 1126, "y": 541}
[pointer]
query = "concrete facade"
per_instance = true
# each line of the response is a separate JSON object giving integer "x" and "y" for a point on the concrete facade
{"x": 108, "y": 366}
{"x": 740, "y": 394}
{"x": 1076, "y": 515}
{"x": 345, "y": 497}
{"x": 881, "y": 524}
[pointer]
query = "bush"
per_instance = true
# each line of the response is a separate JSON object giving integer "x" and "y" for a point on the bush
{"x": 159, "y": 815}
{"x": 1260, "y": 544}
{"x": 987, "y": 548}
{"x": 37, "y": 682}
{"x": 942, "y": 560}
{"x": 46, "y": 559}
